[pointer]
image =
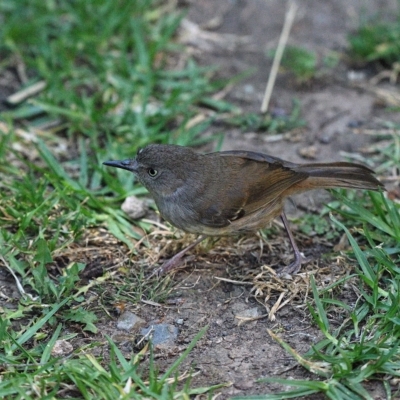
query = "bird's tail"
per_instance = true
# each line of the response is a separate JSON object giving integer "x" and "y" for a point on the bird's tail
{"x": 338, "y": 175}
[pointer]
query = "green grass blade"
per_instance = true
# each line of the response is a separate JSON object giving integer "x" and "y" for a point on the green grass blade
{"x": 28, "y": 334}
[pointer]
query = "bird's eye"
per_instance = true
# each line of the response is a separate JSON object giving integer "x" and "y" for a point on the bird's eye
{"x": 152, "y": 172}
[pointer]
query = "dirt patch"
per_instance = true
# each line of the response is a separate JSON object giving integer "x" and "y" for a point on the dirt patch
{"x": 332, "y": 107}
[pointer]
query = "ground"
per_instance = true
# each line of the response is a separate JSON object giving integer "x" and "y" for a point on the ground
{"x": 238, "y": 36}
{"x": 242, "y": 354}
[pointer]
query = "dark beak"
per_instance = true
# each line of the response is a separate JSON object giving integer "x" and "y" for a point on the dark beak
{"x": 130, "y": 165}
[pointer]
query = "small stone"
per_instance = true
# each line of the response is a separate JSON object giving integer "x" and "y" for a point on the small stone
{"x": 353, "y": 123}
{"x": 128, "y": 321}
{"x": 61, "y": 348}
{"x": 249, "y": 89}
{"x": 247, "y": 315}
{"x": 243, "y": 384}
{"x": 356, "y": 76}
{"x": 162, "y": 335}
{"x": 135, "y": 207}
{"x": 179, "y": 321}
{"x": 309, "y": 152}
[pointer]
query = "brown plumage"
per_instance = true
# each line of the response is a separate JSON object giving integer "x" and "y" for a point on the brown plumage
{"x": 230, "y": 192}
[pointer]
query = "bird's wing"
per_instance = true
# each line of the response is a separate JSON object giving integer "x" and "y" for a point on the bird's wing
{"x": 248, "y": 181}
{"x": 252, "y": 155}
{"x": 217, "y": 216}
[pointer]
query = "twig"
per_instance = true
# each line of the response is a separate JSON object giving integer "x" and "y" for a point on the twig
{"x": 287, "y": 26}
{"x": 17, "y": 282}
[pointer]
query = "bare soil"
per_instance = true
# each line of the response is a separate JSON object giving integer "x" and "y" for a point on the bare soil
{"x": 331, "y": 106}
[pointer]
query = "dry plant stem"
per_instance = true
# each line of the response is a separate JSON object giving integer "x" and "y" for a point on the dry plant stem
{"x": 17, "y": 282}
{"x": 175, "y": 261}
{"x": 23, "y": 94}
{"x": 294, "y": 267}
{"x": 287, "y": 26}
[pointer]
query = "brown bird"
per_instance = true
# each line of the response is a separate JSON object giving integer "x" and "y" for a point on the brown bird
{"x": 231, "y": 192}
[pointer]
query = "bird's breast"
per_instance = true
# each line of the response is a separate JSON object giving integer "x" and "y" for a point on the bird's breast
{"x": 178, "y": 211}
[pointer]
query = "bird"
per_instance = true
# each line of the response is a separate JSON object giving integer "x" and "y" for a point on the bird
{"x": 232, "y": 192}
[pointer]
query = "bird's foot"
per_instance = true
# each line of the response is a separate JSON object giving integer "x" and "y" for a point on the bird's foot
{"x": 168, "y": 266}
{"x": 295, "y": 266}
{"x": 176, "y": 260}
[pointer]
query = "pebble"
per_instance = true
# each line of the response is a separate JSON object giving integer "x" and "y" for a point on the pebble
{"x": 135, "y": 207}
{"x": 61, "y": 348}
{"x": 128, "y": 321}
{"x": 162, "y": 335}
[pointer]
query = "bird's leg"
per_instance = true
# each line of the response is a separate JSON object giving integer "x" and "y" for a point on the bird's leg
{"x": 174, "y": 262}
{"x": 294, "y": 267}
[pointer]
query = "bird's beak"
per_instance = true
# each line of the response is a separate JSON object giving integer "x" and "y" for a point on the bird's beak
{"x": 130, "y": 165}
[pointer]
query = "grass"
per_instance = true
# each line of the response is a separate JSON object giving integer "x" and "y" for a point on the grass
{"x": 365, "y": 347}
{"x": 110, "y": 86}
{"x": 362, "y": 353}
{"x": 37, "y": 374}
{"x": 307, "y": 65}
{"x": 375, "y": 41}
